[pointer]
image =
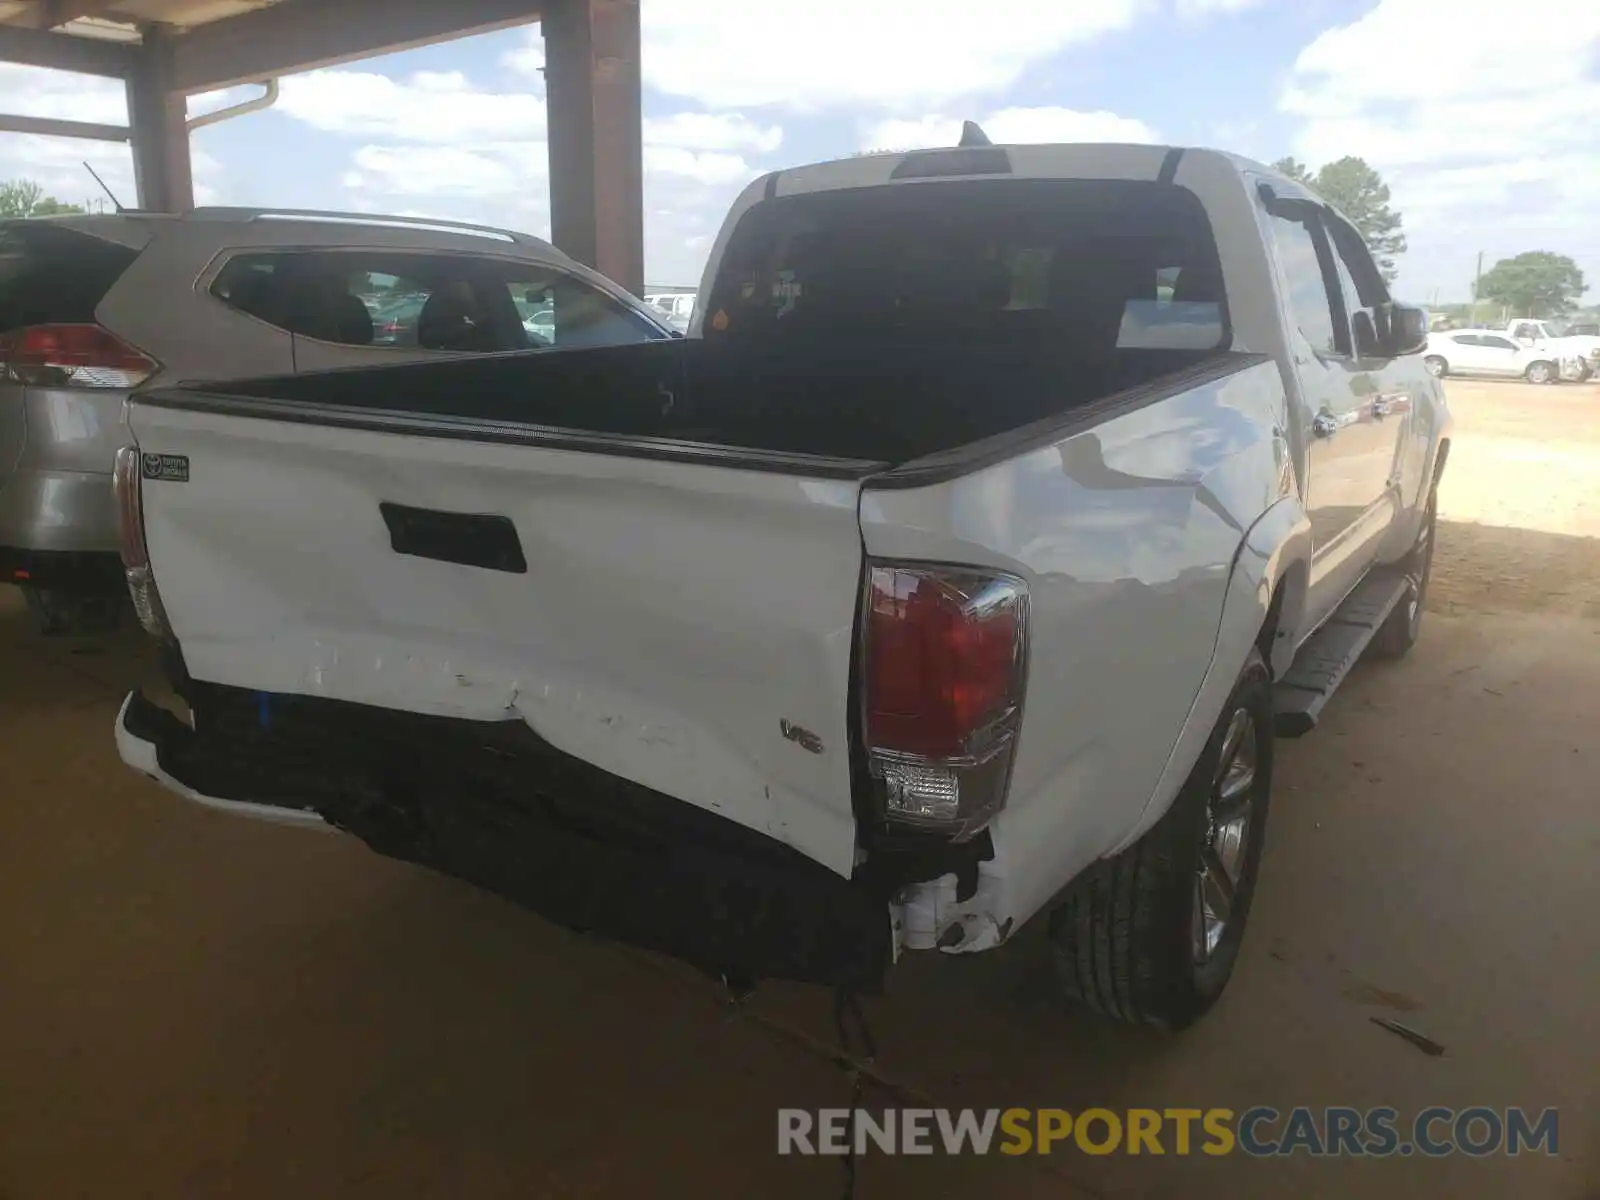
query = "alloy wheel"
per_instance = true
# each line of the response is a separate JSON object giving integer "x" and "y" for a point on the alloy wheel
{"x": 1226, "y": 835}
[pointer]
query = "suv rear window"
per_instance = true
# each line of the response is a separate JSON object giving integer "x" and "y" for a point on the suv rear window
{"x": 1093, "y": 264}
{"x": 53, "y": 275}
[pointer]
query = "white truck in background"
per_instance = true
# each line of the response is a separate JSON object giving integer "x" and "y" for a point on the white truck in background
{"x": 1581, "y": 350}
{"x": 960, "y": 566}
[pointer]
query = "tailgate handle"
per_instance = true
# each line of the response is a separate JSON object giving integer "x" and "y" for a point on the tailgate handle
{"x": 468, "y": 539}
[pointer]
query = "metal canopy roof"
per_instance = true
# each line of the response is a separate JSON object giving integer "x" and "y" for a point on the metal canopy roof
{"x": 119, "y": 20}
{"x": 217, "y": 43}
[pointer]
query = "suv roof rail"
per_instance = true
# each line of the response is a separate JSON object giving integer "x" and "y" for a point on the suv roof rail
{"x": 236, "y": 213}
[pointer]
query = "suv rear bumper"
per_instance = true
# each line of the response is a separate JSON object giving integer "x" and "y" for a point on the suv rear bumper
{"x": 58, "y": 511}
{"x": 494, "y": 805}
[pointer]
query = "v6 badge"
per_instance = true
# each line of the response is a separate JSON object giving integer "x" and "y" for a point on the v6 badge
{"x": 173, "y": 468}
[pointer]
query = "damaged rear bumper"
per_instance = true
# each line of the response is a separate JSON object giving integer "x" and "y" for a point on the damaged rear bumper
{"x": 494, "y": 805}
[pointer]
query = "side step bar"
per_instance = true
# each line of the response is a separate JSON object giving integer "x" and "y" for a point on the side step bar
{"x": 1329, "y": 654}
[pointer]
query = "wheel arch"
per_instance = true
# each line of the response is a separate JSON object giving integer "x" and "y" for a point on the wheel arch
{"x": 1266, "y": 591}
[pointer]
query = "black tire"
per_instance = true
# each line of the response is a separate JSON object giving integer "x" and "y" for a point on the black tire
{"x": 1127, "y": 937}
{"x": 1437, "y": 366}
{"x": 1399, "y": 633}
{"x": 1542, "y": 372}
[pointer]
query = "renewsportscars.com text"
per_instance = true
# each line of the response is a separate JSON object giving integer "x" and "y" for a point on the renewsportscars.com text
{"x": 1259, "y": 1132}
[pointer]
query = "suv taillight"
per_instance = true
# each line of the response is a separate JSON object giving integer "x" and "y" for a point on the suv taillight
{"x": 78, "y": 356}
{"x": 944, "y": 666}
{"x": 127, "y": 489}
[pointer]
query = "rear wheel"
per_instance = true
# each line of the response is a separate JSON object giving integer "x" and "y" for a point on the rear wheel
{"x": 1399, "y": 632}
{"x": 1437, "y": 367}
{"x": 1151, "y": 936}
{"x": 1540, "y": 372}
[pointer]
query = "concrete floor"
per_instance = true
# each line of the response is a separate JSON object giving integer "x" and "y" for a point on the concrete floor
{"x": 195, "y": 1006}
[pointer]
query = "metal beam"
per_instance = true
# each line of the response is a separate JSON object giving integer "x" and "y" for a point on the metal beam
{"x": 298, "y": 35}
{"x": 592, "y": 90}
{"x": 159, "y": 119}
{"x": 52, "y": 127}
{"x": 64, "y": 52}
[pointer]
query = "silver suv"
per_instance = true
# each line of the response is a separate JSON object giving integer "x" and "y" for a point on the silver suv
{"x": 92, "y": 307}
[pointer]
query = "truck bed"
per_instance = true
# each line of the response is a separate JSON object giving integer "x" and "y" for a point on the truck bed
{"x": 883, "y": 403}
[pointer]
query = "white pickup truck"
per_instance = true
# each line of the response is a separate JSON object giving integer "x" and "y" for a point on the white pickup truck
{"x": 958, "y": 567}
{"x": 1580, "y": 349}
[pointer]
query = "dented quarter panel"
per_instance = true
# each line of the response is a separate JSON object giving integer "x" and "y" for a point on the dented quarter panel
{"x": 1127, "y": 534}
{"x": 671, "y": 619}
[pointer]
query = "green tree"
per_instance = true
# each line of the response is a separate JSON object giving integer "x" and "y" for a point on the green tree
{"x": 25, "y": 198}
{"x": 1359, "y": 192}
{"x": 1296, "y": 170}
{"x": 1535, "y": 284}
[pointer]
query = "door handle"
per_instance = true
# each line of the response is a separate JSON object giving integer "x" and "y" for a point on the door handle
{"x": 1324, "y": 425}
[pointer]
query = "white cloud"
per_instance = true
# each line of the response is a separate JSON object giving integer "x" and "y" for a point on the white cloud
{"x": 56, "y": 164}
{"x": 712, "y": 131}
{"x": 429, "y": 106}
{"x": 490, "y": 170}
{"x": 1206, "y": 8}
{"x": 1491, "y": 147}
{"x": 1009, "y": 125}
{"x": 708, "y": 167}
{"x": 446, "y": 144}
{"x": 529, "y": 59}
{"x": 36, "y": 92}
{"x": 808, "y": 55}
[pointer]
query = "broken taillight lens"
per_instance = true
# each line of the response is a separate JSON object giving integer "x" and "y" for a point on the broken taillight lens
{"x": 127, "y": 490}
{"x": 944, "y": 664}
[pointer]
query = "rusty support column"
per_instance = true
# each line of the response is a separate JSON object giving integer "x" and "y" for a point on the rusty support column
{"x": 157, "y": 120}
{"x": 596, "y": 152}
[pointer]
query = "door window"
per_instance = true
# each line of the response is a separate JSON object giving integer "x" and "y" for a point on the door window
{"x": 1499, "y": 343}
{"x": 53, "y": 275}
{"x": 403, "y": 300}
{"x": 1316, "y": 309}
{"x": 1361, "y": 286}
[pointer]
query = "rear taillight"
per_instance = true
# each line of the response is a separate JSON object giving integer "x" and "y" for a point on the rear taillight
{"x": 79, "y": 356}
{"x": 944, "y": 665}
{"x": 127, "y": 489}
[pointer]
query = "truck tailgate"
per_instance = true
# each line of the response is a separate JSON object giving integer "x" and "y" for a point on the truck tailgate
{"x": 688, "y": 627}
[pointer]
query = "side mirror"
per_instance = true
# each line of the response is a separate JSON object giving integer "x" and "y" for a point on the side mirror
{"x": 1408, "y": 330}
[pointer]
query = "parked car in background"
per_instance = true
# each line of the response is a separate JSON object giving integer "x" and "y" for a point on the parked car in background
{"x": 959, "y": 568}
{"x": 676, "y": 307}
{"x": 1487, "y": 352}
{"x": 95, "y": 306}
{"x": 394, "y": 320}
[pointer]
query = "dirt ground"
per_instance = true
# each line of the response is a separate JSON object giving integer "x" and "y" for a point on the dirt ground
{"x": 196, "y": 1006}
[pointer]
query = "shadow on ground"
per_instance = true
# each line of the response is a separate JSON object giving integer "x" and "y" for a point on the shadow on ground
{"x": 191, "y": 1005}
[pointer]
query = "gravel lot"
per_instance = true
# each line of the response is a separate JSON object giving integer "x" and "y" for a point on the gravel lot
{"x": 194, "y": 1006}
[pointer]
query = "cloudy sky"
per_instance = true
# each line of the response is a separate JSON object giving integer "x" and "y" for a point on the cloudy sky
{"x": 1483, "y": 117}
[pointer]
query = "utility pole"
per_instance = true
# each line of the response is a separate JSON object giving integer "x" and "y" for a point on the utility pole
{"x": 1477, "y": 283}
